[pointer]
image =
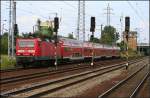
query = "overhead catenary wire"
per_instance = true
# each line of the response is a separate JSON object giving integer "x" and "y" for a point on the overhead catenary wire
{"x": 136, "y": 12}
{"x": 33, "y": 13}
{"x": 86, "y": 14}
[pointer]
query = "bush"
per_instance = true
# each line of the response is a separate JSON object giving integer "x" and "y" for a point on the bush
{"x": 131, "y": 54}
{"x": 4, "y": 44}
{"x": 7, "y": 63}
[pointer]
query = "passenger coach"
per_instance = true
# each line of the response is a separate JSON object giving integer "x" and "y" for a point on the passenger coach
{"x": 29, "y": 50}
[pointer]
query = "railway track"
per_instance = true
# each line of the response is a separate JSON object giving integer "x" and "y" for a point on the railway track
{"x": 38, "y": 71}
{"x": 22, "y": 69}
{"x": 135, "y": 93}
{"x": 31, "y": 67}
{"x": 39, "y": 90}
{"x": 129, "y": 86}
{"x": 46, "y": 73}
{"x": 5, "y": 73}
{"x": 142, "y": 91}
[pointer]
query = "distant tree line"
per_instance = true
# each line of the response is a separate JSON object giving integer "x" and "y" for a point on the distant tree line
{"x": 4, "y": 43}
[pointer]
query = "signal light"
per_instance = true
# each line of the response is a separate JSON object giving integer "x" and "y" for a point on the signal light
{"x": 127, "y": 24}
{"x": 92, "y": 36}
{"x": 92, "y": 29}
{"x": 15, "y": 29}
{"x": 56, "y": 24}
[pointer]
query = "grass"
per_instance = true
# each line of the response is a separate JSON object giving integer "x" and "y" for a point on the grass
{"x": 7, "y": 63}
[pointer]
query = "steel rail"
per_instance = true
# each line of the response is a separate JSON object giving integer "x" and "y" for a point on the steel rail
{"x": 41, "y": 74}
{"x": 21, "y": 68}
{"x": 103, "y": 95}
{"x": 36, "y": 86}
{"x": 139, "y": 86}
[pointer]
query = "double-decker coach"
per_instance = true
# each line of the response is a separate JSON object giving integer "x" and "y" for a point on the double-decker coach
{"x": 31, "y": 50}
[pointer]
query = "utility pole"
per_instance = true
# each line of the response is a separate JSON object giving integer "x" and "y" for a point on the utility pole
{"x": 121, "y": 24}
{"x": 2, "y": 30}
{"x": 81, "y": 20}
{"x": 108, "y": 14}
{"x": 14, "y": 11}
{"x": 9, "y": 33}
{"x": 101, "y": 28}
{"x": 78, "y": 21}
{"x": 13, "y": 23}
{"x": 33, "y": 28}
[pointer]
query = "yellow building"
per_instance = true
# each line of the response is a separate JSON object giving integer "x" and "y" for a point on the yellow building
{"x": 132, "y": 39}
{"x": 47, "y": 24}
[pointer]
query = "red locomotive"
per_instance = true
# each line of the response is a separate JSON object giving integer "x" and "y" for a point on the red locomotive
{"x": 35, "y": 49}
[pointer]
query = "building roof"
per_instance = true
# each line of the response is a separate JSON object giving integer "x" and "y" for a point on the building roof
{"x": 143, "y": 44}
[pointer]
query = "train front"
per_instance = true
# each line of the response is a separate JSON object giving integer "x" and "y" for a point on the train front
{"x": 26, "y": 50}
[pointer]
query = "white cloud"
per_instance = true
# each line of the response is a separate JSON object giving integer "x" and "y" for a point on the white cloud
{"x": 26, "y": 19}
{"x": 25, "y": 23}
{"x": 144, "y": 24}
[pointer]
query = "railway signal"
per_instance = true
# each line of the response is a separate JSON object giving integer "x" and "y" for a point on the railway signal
{"x": 127, "y": 26}
{"x": 56, "y": 26}
{"x": 92, "y": 29}
{"x": 15, "y": 29}
{"x": 127, "y": 30}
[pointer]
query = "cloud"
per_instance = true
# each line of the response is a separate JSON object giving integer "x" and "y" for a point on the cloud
{"x": 144, "y": 24}
{"x": 25, "y": 23}
{"x": 26, "y": 19}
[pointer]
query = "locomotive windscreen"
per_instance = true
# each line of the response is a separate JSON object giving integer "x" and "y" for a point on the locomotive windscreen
{"x": 23, "y": 43}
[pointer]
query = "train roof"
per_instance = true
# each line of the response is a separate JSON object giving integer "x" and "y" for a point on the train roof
{"x": 74, "y": 42}
{"x": 79, "y": 43}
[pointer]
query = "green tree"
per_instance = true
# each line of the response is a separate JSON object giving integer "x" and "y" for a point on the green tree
{"x": 4, "y": 43}
{"x": 109, "y": 35}
{"x": 122, "y": 45}
{"x": 70, "y": 36}
{"x": 95, "y": 40}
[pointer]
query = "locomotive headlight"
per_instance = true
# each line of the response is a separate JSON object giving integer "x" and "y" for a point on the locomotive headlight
{"x": 31, "y": 51}
{"x": 20, "y": 50}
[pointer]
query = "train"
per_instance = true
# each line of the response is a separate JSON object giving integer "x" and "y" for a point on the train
{"x": 30, "y": 50}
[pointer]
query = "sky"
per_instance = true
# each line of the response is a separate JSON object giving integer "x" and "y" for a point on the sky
{"x": 29, "y": 11}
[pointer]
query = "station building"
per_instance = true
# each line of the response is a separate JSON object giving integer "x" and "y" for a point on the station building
{"x": 144, "y": 48}
{"x": 132, "y": 39}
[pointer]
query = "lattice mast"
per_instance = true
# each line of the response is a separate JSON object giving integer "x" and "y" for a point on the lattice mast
{"x": 81, "y": 20}
{"x": 12, "y": 21}
{"x": 108, "y": 13}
